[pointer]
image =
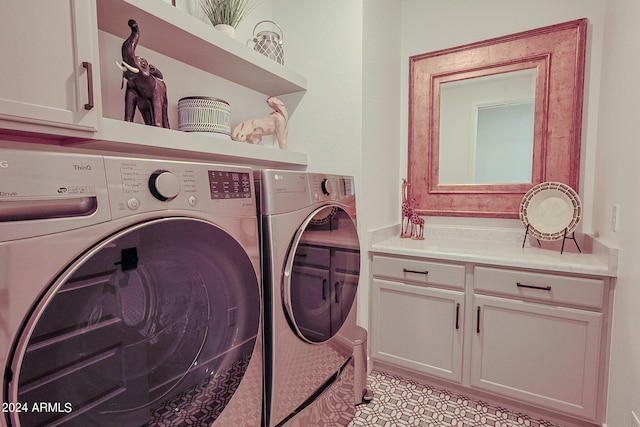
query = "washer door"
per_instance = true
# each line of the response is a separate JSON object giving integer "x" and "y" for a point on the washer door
{"x": 321, "y": 274}
{"x": 154, "y": 316}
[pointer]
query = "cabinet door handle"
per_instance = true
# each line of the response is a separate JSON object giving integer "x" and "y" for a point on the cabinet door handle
{"x": 542, "y": 288}
{"x": 338, "y": 289}
{"x": 89, "y": 68}
{"x": 458, "y": 316}
{"x": 478, "y": 321}
{"x": 324, "y": 289}
{"x": 406, "y": 270}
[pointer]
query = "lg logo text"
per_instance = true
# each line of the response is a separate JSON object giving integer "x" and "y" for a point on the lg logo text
{"x": 4, "y": 164}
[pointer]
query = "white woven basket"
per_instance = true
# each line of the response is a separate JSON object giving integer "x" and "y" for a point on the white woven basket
{"x": 203, "y": 114}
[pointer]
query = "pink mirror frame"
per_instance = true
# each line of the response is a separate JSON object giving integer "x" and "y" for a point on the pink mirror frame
{"x": 557, "y": 53}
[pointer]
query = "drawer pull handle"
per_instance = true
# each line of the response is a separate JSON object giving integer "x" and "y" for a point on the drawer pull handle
{"x": 406, "y": 270}
{"x": 542, "y": 288}
{"x": 478, "y": 321}
{"x": 458, "y": 316}
{"x": 324, "y": 289}
{"x": 338, "y": 291}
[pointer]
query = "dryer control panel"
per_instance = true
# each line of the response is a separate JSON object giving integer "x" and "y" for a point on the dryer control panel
{"x": 287, "y": 191}
{"x": 331, "y": 187}
{"x": 144, "y": 185}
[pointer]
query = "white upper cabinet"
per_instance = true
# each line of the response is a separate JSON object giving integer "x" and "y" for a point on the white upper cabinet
{"x": 48, "y": 68}
{"x": 60, "y": 80}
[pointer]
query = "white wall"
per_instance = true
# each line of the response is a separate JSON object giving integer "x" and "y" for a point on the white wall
{"x": 353, "y": 118}
{"x": 429, "y": 25}
{"x": 616, "y": 182}
{"x": 347, "y": 121}
{"x": 323, "y": 41}
{"x": 380, "y": 128}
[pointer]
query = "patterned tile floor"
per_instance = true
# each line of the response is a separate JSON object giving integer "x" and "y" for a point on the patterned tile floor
{"x": 200, "y": 405}
{"x": 399, "y": 402}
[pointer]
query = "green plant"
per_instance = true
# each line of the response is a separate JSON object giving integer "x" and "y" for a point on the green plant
{"x": 230, "y": 12}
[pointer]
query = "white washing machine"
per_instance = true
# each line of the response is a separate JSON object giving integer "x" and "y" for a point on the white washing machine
{"x": 311, "y": 267}
{"x": 129, "y": 292}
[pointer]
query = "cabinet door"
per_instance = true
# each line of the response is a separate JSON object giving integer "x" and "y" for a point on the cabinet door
{"x": 311, "y": 299}
{"x": 345, "y": 275}
{"x": 344, "y": 290}
{"x": 418, "y": 328}
{"x": 43, "y": 46}
{"x": 544, "y": 355}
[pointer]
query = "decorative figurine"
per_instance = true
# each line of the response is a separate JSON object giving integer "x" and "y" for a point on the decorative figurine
{"x": 146, "y": 88}
{"x": 417, "y": 223}
{"x": 407, "y": 209}
{"x": 253, "y": 130}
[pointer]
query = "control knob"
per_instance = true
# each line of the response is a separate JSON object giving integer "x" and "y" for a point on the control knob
{"x": 325, "y": 185}
{"x": 164, "y": 185}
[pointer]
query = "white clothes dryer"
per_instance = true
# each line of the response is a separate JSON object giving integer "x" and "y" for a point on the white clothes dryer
{"x": 129, "y": 292}
{"x": 311, "y": 266}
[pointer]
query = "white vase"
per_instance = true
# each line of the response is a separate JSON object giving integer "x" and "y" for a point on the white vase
{"x": 227, "y": 29}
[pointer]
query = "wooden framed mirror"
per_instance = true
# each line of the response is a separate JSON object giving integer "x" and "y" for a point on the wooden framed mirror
{"x": 489, "y": 120}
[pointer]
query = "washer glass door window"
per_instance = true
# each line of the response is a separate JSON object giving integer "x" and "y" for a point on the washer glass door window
{"x": 322, "y": 276}
{"x": 160, "y": 311}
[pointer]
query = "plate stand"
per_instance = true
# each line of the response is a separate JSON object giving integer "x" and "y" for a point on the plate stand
{"x": 573, "y": 237}
{"x": 564, "y": 238}
{"x": 525, "y": 237}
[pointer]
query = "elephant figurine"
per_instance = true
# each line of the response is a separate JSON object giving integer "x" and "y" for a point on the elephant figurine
{"x": 146, "y": 88}
{"x": 275, "y": 123}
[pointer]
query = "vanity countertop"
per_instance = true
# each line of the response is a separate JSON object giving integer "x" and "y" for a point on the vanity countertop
{"x": 601, "y": 261}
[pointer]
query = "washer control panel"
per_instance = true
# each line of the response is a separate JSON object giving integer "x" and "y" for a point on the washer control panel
{"x": 44, "y": 192}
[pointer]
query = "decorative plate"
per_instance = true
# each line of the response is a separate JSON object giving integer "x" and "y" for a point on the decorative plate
{"x": 550, "y": 209}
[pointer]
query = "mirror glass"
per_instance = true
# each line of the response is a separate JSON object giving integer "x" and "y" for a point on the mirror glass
{"x": 486, "y": 129}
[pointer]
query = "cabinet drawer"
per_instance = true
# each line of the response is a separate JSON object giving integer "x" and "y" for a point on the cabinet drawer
{"x": 545, "y": 287}
{"x": 313, "y": 256}
{"x": 419, "y": 271}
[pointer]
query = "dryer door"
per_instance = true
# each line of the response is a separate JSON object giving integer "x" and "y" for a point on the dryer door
{"x": 155, "y": 325}
{"x": 322, "y": 272}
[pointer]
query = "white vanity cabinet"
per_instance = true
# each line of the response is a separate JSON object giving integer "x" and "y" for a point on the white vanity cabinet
{"x": 418, "y": 318}
{"x": 537, "y": 338}
{"x": 48, "y": 68}
{"x": 512, "y": 331}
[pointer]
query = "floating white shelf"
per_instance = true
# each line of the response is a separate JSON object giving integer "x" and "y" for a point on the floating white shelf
{"x": 174, "y": 33}
{"x": 135, "y": 138}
